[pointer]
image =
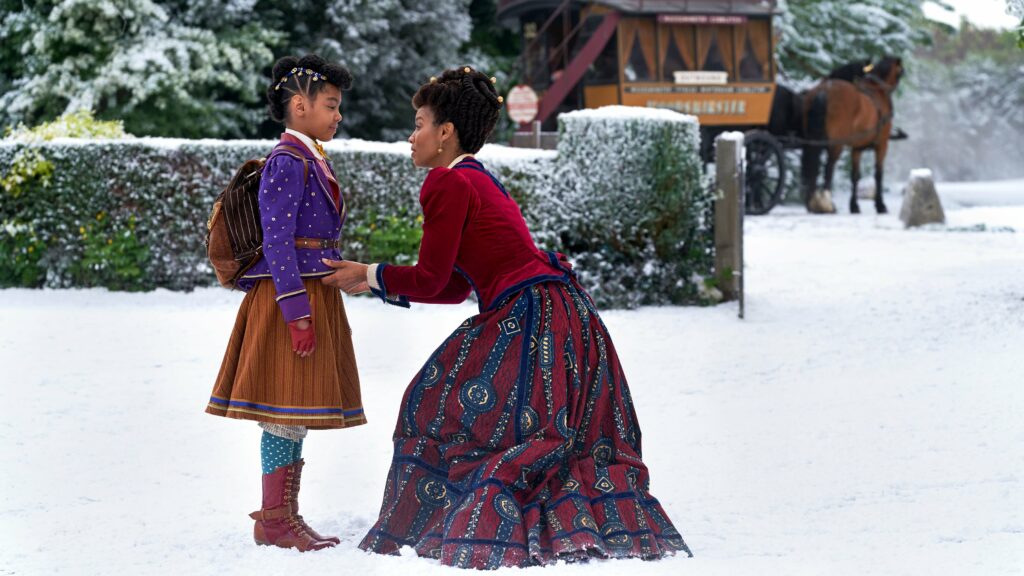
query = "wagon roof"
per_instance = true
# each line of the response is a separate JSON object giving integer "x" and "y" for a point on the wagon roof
{"x": 514, "y": 8}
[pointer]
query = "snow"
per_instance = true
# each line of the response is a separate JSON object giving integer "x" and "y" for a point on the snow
{"x": 971, "y": 194}
{"x": 489, "y": 151}
{"x": 864, "y": 419}
{"x": 732, "y": 136}
{"x": 630, "y": 112}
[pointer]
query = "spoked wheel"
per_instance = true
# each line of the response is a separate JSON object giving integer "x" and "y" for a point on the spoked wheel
{"x": 766, "y": 172}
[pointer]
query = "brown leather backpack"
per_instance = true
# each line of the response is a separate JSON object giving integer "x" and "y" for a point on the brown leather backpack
{"x": 234, "y": 235}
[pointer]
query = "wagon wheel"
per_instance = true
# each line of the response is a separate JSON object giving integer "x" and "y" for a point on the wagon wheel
{"x": 766, "y": 172}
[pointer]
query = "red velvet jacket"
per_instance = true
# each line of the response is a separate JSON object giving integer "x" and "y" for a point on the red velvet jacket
{"x": 474, "y": 238}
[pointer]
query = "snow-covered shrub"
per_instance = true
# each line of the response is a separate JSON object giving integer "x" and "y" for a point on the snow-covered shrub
{"x": 628, "y": 205}
{"x": 621, "y": 198}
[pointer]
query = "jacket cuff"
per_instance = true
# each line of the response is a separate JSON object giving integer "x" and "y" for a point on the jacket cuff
{"x": 295, "y": 307}
{"x": 371, "y": 276}
{"x": 381, "y": 290}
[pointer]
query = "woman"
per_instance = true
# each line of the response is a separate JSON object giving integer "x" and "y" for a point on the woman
{"x": 517, "y": 442}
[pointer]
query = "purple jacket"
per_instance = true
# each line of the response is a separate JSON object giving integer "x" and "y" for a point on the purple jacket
{"x": 292, "y": 208}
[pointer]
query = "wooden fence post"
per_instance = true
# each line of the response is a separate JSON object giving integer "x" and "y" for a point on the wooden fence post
{"x": 729, "y": 181}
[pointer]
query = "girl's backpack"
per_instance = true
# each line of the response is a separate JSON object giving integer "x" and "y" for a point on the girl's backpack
{"x": 234, "y": 235}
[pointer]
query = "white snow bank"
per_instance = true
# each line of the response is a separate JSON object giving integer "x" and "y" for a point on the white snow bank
{"x": 489, "y": 151}
{"x": 630, "y": 113}
{"x": 864, "y": 420}
{"x": 973, "y": 194}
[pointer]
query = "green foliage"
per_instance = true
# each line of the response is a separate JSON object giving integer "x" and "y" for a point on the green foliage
{"x": 112, "y": 255}
{"x": 27, "y": 168}
{"x": 78, "y": 124}
{"x": 20, "y": 251}
{"x": 386, "y": 237}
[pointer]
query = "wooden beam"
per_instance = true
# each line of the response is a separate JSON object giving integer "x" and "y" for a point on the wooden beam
{"x": 572, "y": 75}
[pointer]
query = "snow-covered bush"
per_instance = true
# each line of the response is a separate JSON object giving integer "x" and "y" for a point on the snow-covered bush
{"x": 628, "y": 204}
{"x": 621, "y": 198}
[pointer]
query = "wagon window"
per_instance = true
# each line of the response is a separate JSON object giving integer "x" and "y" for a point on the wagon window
{"x": 714, "y": 48}
{"x": 638, "y": 49}
{"x": 676, "y": 50}
{"x": 753, "y": 39}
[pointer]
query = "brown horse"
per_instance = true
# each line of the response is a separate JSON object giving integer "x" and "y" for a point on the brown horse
{"x": 855, "y": 114}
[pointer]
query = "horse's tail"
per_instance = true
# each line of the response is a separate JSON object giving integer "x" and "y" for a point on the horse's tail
{"x": 814, "y": 131}
{"x": 814, "y": 125}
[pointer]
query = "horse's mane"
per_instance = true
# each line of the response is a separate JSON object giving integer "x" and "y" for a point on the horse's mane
{"x": 884, "y": 67}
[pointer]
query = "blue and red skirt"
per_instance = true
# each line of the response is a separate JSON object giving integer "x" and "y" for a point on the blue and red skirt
{"x": 517, "y": 444}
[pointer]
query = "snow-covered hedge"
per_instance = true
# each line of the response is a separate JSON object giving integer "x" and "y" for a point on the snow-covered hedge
{"x": 621, "y": 197}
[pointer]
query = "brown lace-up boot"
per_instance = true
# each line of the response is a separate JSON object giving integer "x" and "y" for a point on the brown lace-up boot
{"x": 277, "y": 523}
{"x": 295, "y": 504}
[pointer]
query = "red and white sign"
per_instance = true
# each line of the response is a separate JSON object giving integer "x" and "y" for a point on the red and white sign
{"x": 720, "y": 19}
{"x": 522, "y": 104}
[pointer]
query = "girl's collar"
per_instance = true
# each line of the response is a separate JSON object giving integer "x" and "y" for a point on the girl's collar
{"x": 459, "y": 159}
{"x": 309, "y": 142}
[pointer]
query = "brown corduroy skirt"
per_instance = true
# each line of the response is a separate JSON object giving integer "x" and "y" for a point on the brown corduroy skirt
{"x": 262, "y": 379}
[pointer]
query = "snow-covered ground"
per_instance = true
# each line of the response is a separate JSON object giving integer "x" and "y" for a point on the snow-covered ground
{"x": 866, "y": 418}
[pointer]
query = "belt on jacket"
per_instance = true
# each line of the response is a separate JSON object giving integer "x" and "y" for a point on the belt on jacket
{"x": 316, "y": 243}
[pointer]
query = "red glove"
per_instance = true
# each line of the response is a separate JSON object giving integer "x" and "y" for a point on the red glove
{"x": 303, "y": 341}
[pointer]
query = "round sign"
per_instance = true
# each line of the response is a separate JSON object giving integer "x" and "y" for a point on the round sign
{"x": 522, "y": 104}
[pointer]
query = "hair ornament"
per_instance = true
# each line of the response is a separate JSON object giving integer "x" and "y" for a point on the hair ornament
{"x": 467, "y": 69}
{"x": 299, "y": 72}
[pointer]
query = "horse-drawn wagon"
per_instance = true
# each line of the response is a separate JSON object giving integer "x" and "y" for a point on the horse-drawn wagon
{"x": 710, "y": 58}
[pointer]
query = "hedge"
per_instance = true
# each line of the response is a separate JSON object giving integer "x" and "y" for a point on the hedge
{"x": 621, "y": 197}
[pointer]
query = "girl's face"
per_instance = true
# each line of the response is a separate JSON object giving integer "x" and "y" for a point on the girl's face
{"x": 317, "y": 117}
{"x": 428, "y": 137}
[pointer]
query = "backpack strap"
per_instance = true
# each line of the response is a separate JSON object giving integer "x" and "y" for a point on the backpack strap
{"x": 279, "y": 151}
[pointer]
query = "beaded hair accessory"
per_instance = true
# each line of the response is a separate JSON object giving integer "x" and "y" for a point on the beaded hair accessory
{"x": 316, "y": 76}
{"x": 467, "y": 70}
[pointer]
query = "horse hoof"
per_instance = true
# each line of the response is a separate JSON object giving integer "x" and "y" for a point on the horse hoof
{"x": 881, "y": 209}
{"x": 854, "y": 209}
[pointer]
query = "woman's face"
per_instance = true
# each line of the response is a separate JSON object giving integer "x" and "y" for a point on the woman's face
{"x": 427, "y": 137}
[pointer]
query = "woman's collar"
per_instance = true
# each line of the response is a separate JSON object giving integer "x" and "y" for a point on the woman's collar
{"x": 459, "y": 159}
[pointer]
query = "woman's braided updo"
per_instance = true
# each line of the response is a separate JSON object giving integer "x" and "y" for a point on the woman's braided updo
{"x": 284, "y": 83}
{"x": 466, "y": 98}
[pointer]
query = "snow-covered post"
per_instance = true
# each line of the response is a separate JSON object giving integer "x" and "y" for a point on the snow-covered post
{"x": 729, "y": 215}
{"x": 921, "y": 204}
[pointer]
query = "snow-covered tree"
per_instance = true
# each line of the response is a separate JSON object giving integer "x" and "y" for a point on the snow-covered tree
{"x": 817, "y": 36}
{"x": 391, "y": 47}
{"x": 963, "y": 107}
{"x": 145, "y": 62}
{"x": 1016, "y": 8}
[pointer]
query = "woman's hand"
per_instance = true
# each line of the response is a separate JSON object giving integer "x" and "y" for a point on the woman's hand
{"x": 348, "y": 276}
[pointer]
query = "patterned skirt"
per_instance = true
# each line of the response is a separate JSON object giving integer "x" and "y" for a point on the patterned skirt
{"x": 517, "y": 444}
{"x": 262, "y": 379}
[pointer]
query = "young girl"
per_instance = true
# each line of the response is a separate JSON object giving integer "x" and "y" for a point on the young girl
{"x": 289, "y": 364}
